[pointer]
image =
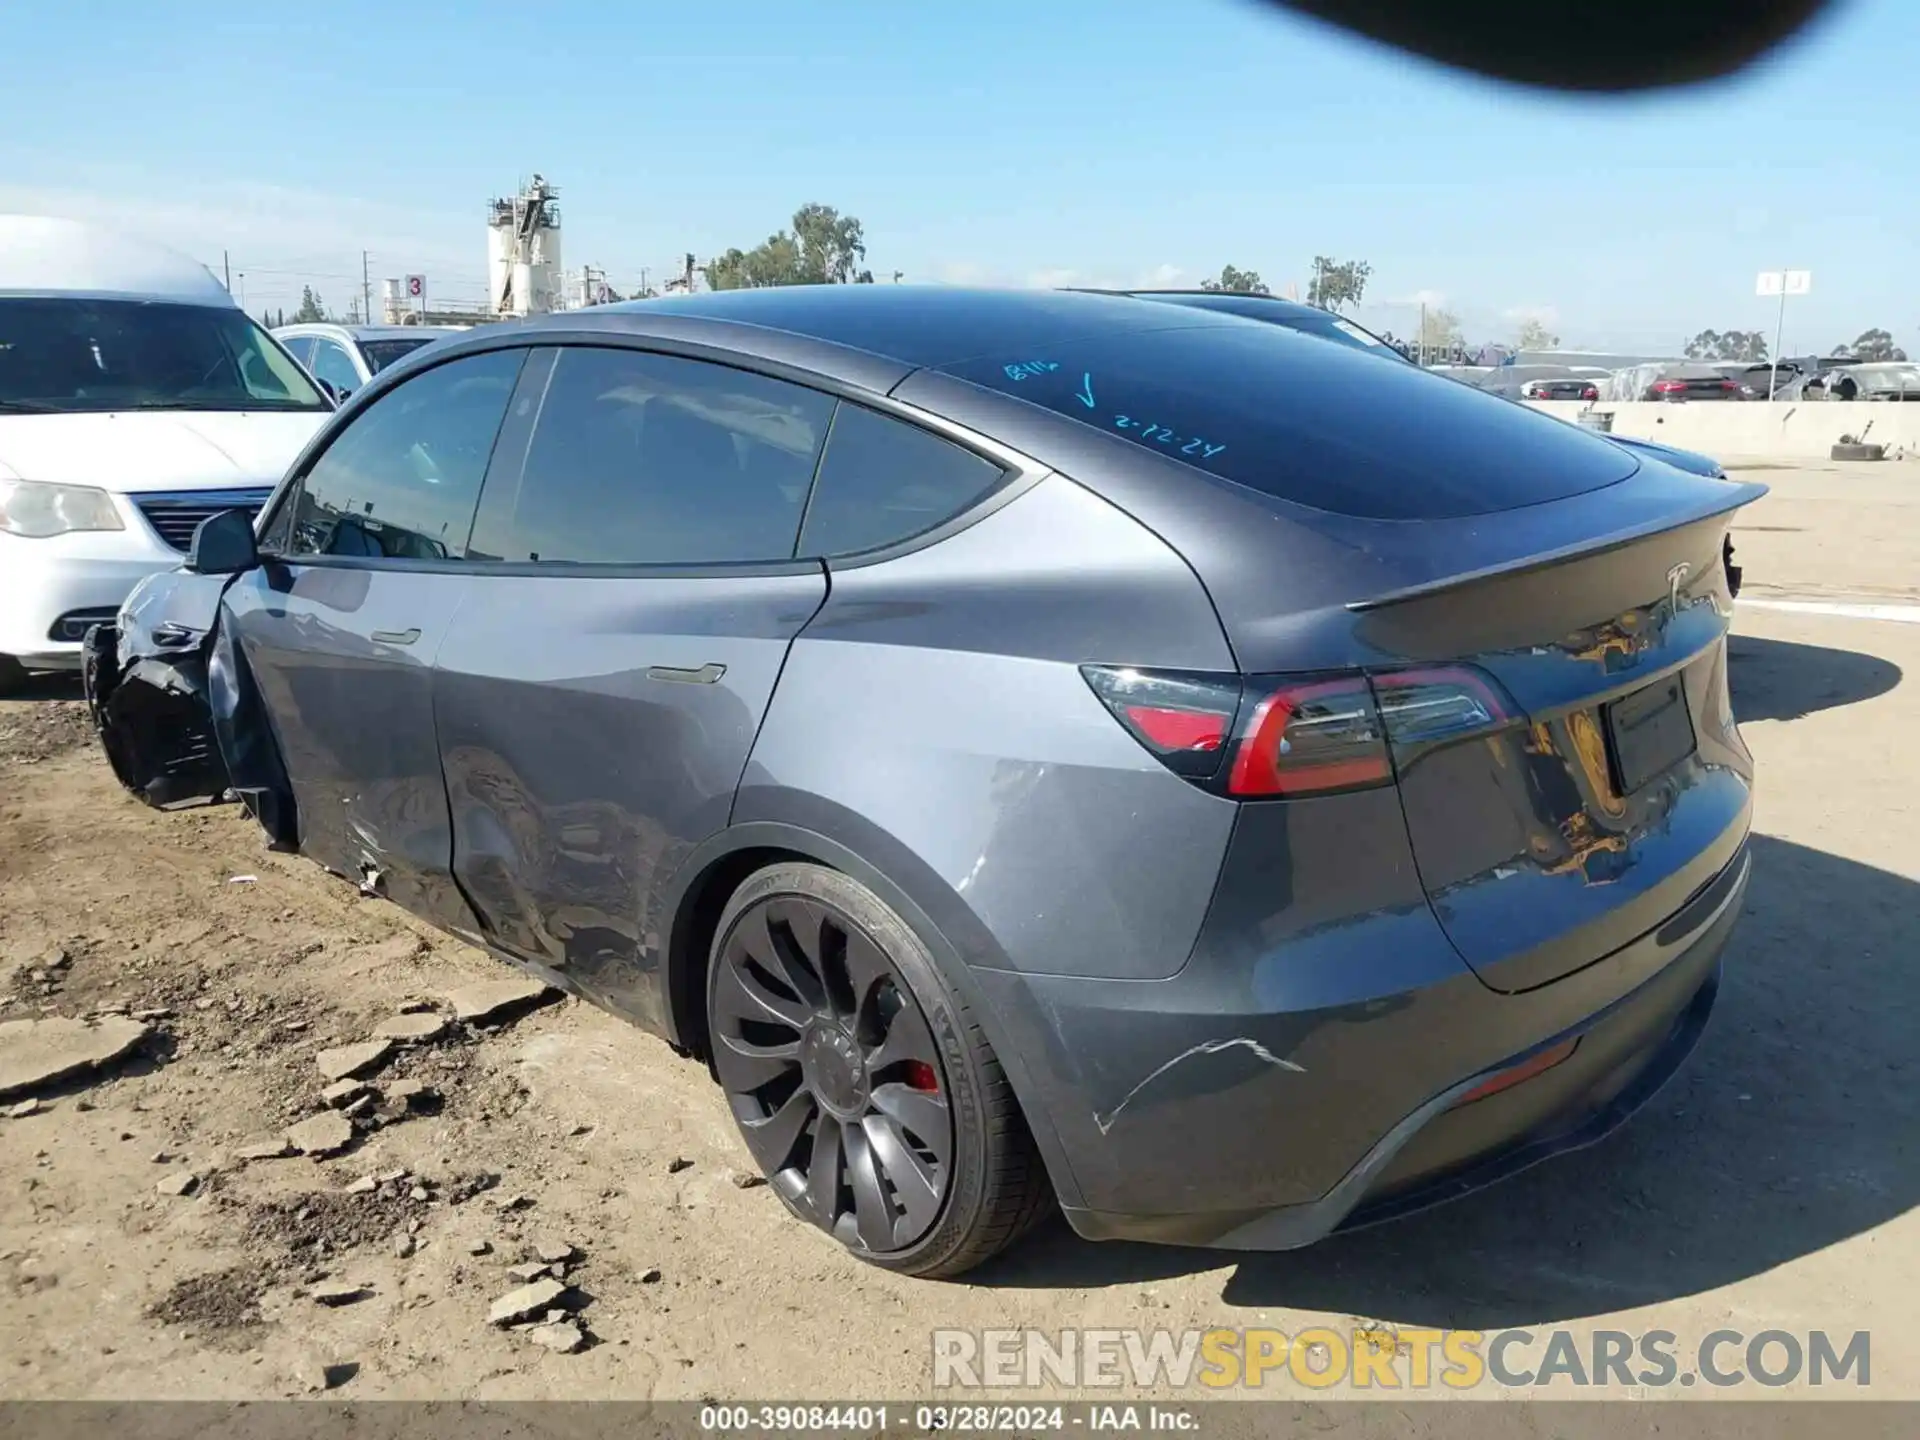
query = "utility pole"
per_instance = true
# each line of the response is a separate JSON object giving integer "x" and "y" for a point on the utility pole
{"x": 644, "y": 286}
{"x": 226, "y": 272}
{"x": 366, "y": 286}
{"x": 1422, "y": 334}
{"x": 897, "y": 276}
{"x": 689, "y": 278}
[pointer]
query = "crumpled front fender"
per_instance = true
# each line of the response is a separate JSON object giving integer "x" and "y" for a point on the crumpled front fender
{"x": 152, "y": 714}
{"x": 176, "y": 708}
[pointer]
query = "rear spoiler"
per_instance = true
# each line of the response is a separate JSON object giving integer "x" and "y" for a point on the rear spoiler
{"x": 1738, "y": 495}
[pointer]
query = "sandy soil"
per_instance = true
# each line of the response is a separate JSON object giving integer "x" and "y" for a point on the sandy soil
{"x": 1772, "y": 1185}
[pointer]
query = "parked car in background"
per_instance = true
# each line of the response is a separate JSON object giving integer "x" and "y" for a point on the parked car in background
{"x": 1308, "y": 320}
{"x": 1570, "y": 387}
{"x": 1694, "y": 382}
{"x": 346, "y": 357}
{"x": 1765, "y": 381}
{"x": 1024, "y": 758}
{"x": 1884, "y": 380}
{"x": 136, "y": 399}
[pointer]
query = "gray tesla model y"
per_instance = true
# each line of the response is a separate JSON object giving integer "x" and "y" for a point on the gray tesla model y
{"x": 1033, "y": 746}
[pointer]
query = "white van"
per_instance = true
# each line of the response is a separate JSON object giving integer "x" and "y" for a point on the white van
{"x": 136, "y": 399}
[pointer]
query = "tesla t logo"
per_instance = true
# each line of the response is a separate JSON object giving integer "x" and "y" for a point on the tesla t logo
{"x": 1674, "y": 577}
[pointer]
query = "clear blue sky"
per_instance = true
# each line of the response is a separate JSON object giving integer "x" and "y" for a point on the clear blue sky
{"x": 1061, "y": 140}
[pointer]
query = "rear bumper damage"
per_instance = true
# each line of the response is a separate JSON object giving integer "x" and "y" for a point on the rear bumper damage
{"x": 1310, "y": 1121}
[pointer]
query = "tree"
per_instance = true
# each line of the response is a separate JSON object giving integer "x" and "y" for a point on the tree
{"x": 1237, "y": 282}
{"x": 1337, "y": 283}
{"x": 1873, "y": 345}
{"x": 1533, "y": 336}
{"x": 823, "y": 248}
{"x": 1748, "y": 345}
{"x": 1440, "y": 332}
{"x": 312, "y": 308}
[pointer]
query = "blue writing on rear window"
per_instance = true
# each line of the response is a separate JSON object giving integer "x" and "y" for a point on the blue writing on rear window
{"x": 1022, "y": 369}
{"x": 1196, "y": 446}
{"x": 1257, "y": 405}
{"x": 1181, "y": 440}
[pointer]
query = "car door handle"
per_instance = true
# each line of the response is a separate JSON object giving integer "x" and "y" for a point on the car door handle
{"x": 696, "y": 675}
{"x": 396, "y": 637}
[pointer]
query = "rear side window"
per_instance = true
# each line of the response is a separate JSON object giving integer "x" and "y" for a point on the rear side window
{"x": 1320, "y": 425}
{"x": 641, "y": 459}
{"x": 401, "y": 481}
{"x": 883, "y": 481}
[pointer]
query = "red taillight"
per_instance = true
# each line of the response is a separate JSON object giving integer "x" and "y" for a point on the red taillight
{"x": 1728, "y": 385}
{"x": 1180, "y": 729}
{"x": 1442, "y": 703}
{"x": 1311, "y": 737}
{"x": 1590, "y": 393}
{"x": 1183, "y": 718}
{"x": 1303, "y": 735}
{"x": 1668, "y": 387}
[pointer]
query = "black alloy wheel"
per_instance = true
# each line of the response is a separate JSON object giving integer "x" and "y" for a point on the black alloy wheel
{"x": 832, "y": 1072}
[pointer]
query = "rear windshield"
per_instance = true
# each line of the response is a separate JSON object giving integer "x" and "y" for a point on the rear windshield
{"x": 75, "y": 354}
{"x": 1307, "y": 319}
{"x": 1319, "y": 425}
{"x": 382, "y": 353}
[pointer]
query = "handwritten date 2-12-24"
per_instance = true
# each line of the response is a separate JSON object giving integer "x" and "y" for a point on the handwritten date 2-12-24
{"x": 1188, "y": 445}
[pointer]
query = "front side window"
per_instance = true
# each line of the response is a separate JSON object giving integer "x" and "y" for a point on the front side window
{"x": 332, "y": 364}
{"x": 61, "y": 355}
{"x": 883, "y": 481}
{"x": 401, "y": 481}
{"x": 643, "y": 459}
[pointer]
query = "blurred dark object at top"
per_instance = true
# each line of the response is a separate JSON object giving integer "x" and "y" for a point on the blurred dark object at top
{"x": 1630, "y": 45}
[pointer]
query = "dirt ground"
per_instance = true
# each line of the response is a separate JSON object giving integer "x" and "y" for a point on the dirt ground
{"x": 1772, "y": 1185}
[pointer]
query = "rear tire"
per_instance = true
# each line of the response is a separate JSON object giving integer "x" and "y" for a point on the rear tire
{"x": 861, "y": 1081}
{"x": 13, "y": 675}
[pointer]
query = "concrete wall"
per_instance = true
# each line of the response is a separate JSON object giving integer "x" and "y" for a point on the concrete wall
{"x": 1757, "y": 428}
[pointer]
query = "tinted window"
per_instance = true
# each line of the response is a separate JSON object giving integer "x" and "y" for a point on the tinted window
{"x": 402, "y": 479}
{"x": 331, "y": 364}
{"x": 883, "y": 481}
{"x": 1318, "y": 424}
{"x": 64, "y": 354}
{"x": 379, "y": 354}
{"x": 640, "y": 459}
